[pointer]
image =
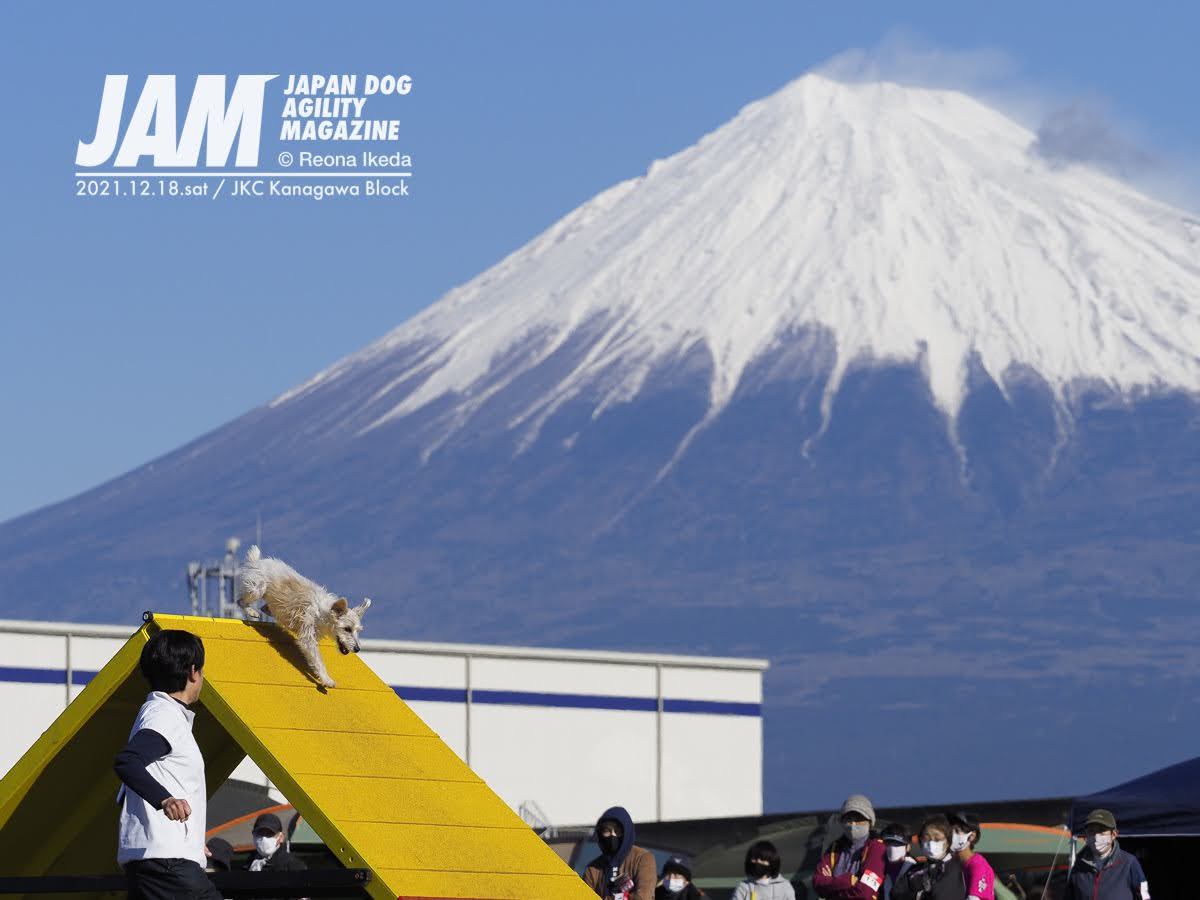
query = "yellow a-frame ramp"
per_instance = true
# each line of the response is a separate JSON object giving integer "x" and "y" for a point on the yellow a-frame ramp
{"x": 376, "y": 783}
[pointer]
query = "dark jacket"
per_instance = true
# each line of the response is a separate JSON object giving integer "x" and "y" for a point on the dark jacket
{"x": 281, "y": 861}
{"x": 931, "y": 881}
{"x": 863, "y": 881}
{"x": 1118, "y": 876}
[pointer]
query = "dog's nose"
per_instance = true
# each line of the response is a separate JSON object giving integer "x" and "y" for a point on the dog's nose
{"x": 357, "y": 647}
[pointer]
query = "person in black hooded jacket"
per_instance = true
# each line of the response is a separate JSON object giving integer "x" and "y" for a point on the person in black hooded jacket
{"x": 622, "y": 870}
{"x": 939, "y": 876}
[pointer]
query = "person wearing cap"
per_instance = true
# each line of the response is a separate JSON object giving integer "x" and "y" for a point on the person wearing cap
{"x": 677, "y": 881}
{"x": 1103, "y": 871}
{"x": 978, "y": 876}
{"x": 623, "y": 870}
{"x": 763, "y": 881}
{"x": 939, "y": 876}
{"x": 896, "y": 843}
{"x": 853, "y": 867}
{"x": 270, "y": 855}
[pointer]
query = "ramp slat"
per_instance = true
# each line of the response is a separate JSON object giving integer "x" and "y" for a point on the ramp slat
{"x": 407, "y": 801}
{"x": 335, "y": 712}
{"x": 490, "y": 885}
{"x": 280, "y": 663}
{"x": 422, "y": 756}
{"x": 515, "y": 849}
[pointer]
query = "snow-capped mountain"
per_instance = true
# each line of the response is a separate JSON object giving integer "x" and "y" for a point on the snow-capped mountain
{"x": 859, "y": 382}
{"x": 903, "y": 224}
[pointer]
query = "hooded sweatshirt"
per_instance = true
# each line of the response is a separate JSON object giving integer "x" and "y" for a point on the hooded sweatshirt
{"x": 776, "y": 888}
{"x": 629, "y": 860}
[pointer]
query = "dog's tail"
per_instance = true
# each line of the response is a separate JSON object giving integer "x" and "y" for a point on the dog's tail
{"x": 253, "y": 555}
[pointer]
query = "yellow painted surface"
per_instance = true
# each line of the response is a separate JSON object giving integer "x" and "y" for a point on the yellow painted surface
{"x": 381, "y": 788}
{"x": 499, "y": 887}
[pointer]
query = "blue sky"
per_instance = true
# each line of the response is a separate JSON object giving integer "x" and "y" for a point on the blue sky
{"x": 131, "y": 327}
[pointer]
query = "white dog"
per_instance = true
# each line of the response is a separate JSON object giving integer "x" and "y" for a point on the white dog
{"x": 301, "y": 606}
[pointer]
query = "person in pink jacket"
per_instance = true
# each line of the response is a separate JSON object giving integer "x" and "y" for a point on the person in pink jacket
{"x": 853, "y": 867}
{"x": 978, "y": 876}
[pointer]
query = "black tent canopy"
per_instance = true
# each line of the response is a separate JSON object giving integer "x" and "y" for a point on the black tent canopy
{"x": 1165, "y": 803}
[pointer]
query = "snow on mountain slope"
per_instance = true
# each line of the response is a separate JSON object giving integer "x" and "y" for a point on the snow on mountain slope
{"x": 907, "y": 223}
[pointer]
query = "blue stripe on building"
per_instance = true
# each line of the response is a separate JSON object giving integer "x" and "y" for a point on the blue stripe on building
{"x": 459, "y": 695}
{"x": 436, "y": 695}
{"x": 33, "y": 676}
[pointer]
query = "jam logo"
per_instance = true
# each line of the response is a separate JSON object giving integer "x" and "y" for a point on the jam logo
{"x": 153, "y": 127}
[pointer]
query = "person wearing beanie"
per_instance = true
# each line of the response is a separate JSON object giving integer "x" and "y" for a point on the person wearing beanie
{"x": 853, "y": 867}
{"x": 939, "y": 876}
{"x": 763, "y": 881}
{"x": 1103, "y": 871}
{"x": 896, "y": 843}
{"x": 677, "y": 881}
{"x": 622, "y": 870}
{"x": 977, "y": 871}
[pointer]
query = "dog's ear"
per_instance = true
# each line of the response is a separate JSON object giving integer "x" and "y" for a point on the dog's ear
{"x": 340, "y": 607}
{"x": 364, "y": 606}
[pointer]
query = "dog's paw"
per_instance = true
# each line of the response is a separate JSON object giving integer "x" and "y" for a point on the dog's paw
{"x": 328, "y": 682}
{"x": 252, "y": 613}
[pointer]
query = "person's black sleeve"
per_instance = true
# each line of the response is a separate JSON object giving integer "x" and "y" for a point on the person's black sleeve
{"x": 130, "y": 765}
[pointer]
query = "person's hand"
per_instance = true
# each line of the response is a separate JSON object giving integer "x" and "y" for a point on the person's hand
{"x": 826, "y": 871}
{"x": 177, "y": 810}
{"x": 207, "y": 852}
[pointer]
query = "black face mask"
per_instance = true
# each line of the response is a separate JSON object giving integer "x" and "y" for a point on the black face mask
{"x": 758, "y": 870}
{"x": 609, "y": 844}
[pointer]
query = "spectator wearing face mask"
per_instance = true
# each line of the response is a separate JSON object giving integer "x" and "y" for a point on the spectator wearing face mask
{"x": 269, "y": 853}
{"x": 978, "y": 876}
{"x": 1103, "y": 871}
{"x": 895, "y": 843}
{"x": 763, "y": 881}
{"x": 853, "y": 867}
{"x": 677, "y": 882}
{"x": 622, "y": 871}
{"x": 940, "y": 875}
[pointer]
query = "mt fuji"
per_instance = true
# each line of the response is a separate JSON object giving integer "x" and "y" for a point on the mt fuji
{"x": 862, "y": 382}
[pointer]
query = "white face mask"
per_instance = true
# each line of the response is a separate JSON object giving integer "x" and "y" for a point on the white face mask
{"x": 674, "y": 884}
{"x": 266, "y": 846}
{"x": 960, "y": 841}
{"x": 895, "y": 852}
{"x": 856, "y": 831}
{"x": 1101, "y": 843}
{"x": 934, "y": 849}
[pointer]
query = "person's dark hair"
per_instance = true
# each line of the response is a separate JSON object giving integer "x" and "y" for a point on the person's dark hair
{"x": 939, "y": 822}
{"x": 764, "y": 850}
{"x": 168, "y": 658}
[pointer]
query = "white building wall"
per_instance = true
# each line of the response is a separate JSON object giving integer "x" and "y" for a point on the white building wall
{"x": 668, "y": 737}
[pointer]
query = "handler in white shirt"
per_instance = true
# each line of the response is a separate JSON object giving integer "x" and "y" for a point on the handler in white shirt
{"x": 163, "y": 795}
